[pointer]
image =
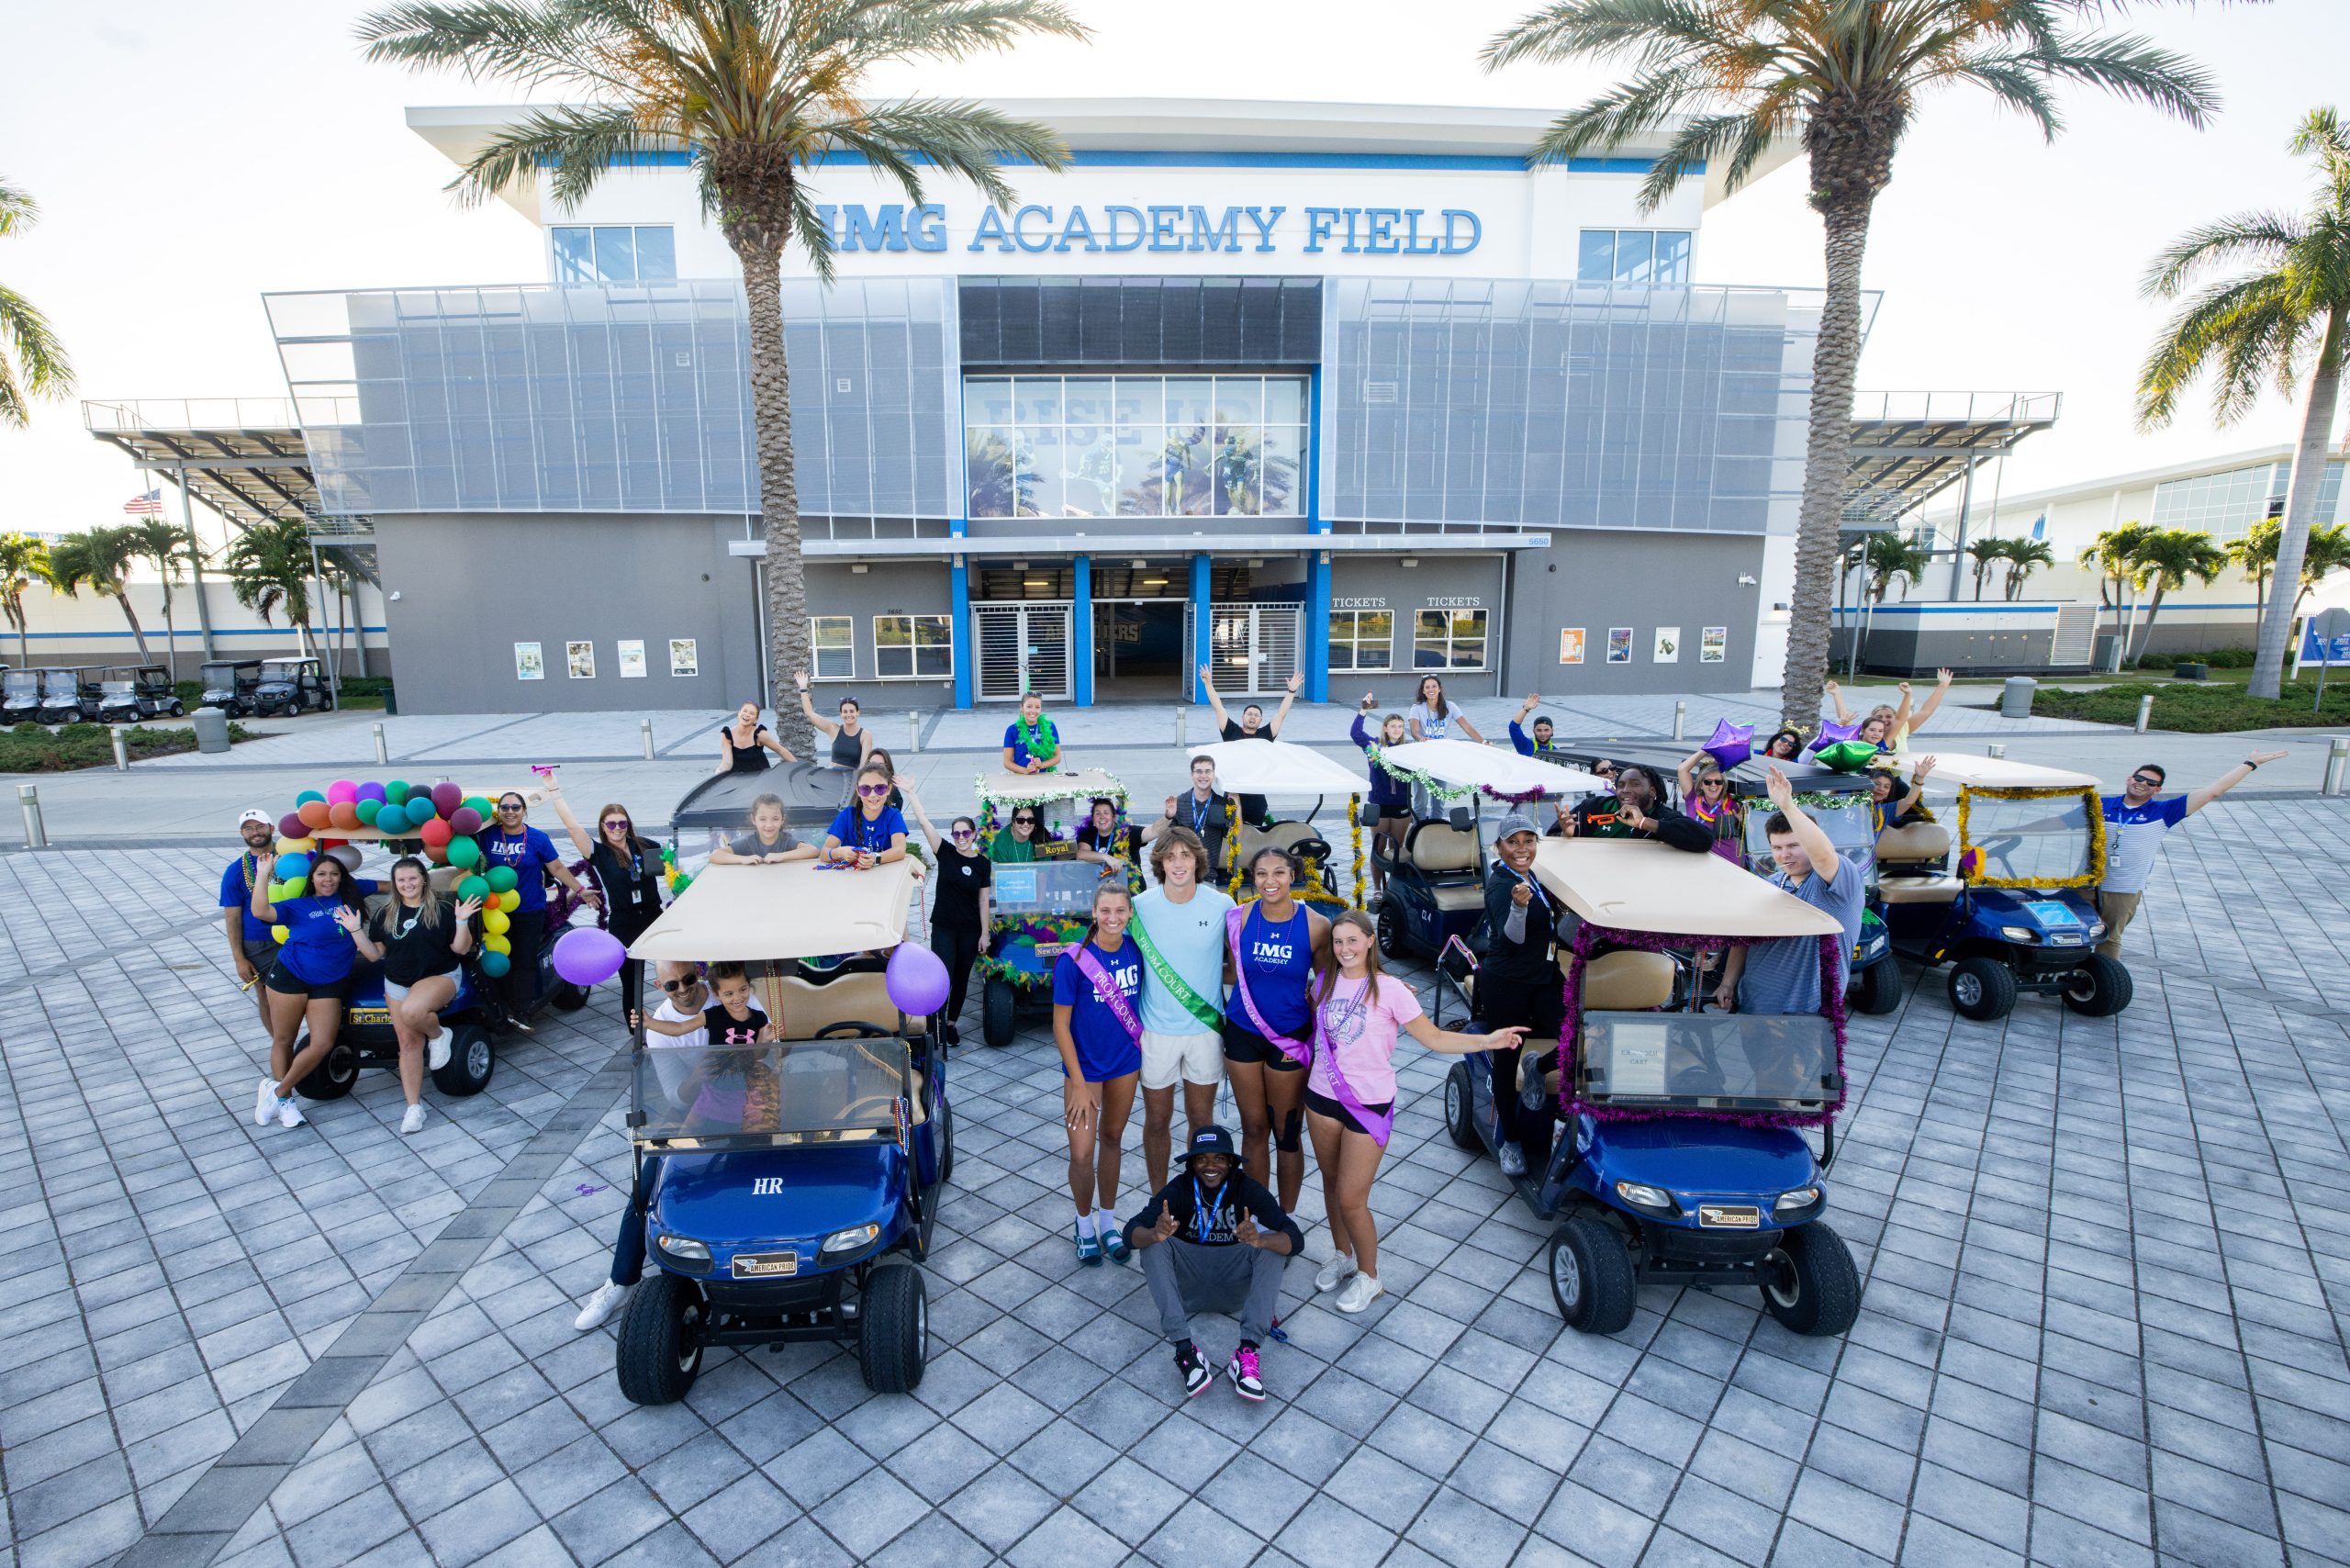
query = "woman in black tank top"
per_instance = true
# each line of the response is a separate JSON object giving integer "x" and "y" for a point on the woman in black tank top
{"x": 852, "y": 742}
{"x": 743, "y": 744}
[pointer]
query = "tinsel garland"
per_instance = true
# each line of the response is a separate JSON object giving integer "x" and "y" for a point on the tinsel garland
{"x": 1354, "y": 829}
{"x": 1414, "y": 776}
{"x": 2088, "y": 879}
{"x": 1045, "y": 793}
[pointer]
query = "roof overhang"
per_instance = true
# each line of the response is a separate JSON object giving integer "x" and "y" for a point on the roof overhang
{"x": 1158, "y": 544}
{"x": 242, "y": 458}
{"x": 1907, "y": 446}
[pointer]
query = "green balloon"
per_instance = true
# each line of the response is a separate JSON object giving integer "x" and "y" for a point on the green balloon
{"x": 397, "y": 793}
{"x": 502, "y": 879}
{"x": 367, "y": 810}
{"x": 296, "y": 888}
{"x": 473, "y": 887}
{"x": 494, "y": 964}
{"x": 464, "y": 853}
{"x": 1846, "y": 757}
{"x": 480, "y": 804}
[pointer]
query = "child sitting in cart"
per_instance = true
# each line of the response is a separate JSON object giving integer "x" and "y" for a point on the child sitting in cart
{"x": 731, "y": 1092}
{"x": 769, "y": 843}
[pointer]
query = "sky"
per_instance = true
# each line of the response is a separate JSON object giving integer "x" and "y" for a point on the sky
{"x": 189, "y": 158}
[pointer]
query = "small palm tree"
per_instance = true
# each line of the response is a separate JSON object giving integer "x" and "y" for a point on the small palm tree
{"x": 1986, "y": 552}
{"x": 100, "y": 560}
{"x": 2110, "y": 553}
{"x": 1845, "y": 76}
{"x": 757, "y": 93}
{"x": 2329, "y": 551}
{"x": 2164, "y": 560}
{"x": 171, "y": 546}
{"x": 1887, "y": 556}
{"x": 2278, "y": 324}
{"x": 24, "y": 561}
{"x": 2255, "y": 552}
{"x": 2025, "y": 556}
{"x": 269, "y": 570}
{"x": 39, "y": 368}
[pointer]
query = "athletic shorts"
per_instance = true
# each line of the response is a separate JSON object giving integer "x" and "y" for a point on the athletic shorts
{"x": 1322, "y": 1104}
{"x": 262, "y": 955}
{"x": 286, "y": 982}
{"x": 1538, "y": 1007}
{"x": 1245, "y": 1045}
{"x": 1195, "y": 1058}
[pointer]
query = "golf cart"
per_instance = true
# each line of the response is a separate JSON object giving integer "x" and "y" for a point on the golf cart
{"x": 718, "y": 807}
{"x": 793, "y": 1175}
{"x": 1041, "y": 906}
{"x": 291, "y": 685}
{"x": 229, "y": 685}
{"x": 1841, "y": 803}
{"x": 128, "y": 693}
{"x": 21, "y": 689}
{"x": 2017, "y": 915}
{"x": 1674, "y": 1153}
{"x": 68, "y": 696}
{"x": 1278, "y": 767}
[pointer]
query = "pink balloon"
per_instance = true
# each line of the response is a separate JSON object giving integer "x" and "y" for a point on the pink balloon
{"x": 342, "y": 792}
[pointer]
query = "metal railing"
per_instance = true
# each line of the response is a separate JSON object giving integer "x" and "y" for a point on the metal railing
{"x": 189, "y": 414}
{"x": 1959, "y": 407}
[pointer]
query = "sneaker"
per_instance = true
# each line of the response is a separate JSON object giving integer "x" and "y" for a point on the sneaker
{"x": 289, "y": 1115}
{"x": 597, "y": 1309}
{"x": 1242, "y": 1371}
{"x": 1337, "y": 1271}
{"x": 413, "y": 1121}
{"x": 521, "y": 1026}
{"x": 436, "y": 1051}
{"x": 266, "y": 1103}
{"x": 1089, "y": 1245}
{"x": 1361, "y": 1292}
{"x": 1513, "y": 1160}
{"x": 1113, "y": 1242}
{"x": 1194, "y": 1371}
{"x": 954, "y": 1035}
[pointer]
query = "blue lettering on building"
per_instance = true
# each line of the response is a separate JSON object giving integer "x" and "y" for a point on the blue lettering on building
{"x": 1230, "y": 231}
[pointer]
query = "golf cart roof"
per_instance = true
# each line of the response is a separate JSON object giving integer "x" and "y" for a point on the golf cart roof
{"x": 210, "y": 665}
{"x": 1971, "y": 772}
{"x": 812, "y": 796}
{"x": 1633, "y": 886}
{"x": 289, "y": 662}
{"x": 1276, "y": 767}
{"x": 1083, "y": 785}
{"x": 1492, "y": 768}
{"x": 129, "y": 672}
{"x": 792, "y": 911}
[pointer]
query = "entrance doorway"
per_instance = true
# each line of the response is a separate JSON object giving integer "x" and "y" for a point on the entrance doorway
{"x": 1253, "y": 649}
{"x": 1137, "y": 649}
{"x": 1023, "y": 647}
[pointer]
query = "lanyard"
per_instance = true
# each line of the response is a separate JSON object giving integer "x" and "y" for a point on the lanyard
{"x": 1531, "y": 886}
{"x": 1203, "y": 1213}
{"x": 1200, "y": 809}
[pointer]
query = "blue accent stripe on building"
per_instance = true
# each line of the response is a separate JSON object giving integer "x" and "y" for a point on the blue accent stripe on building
{"x": 195, "y": 634}
{"x": 1448, "y": 163}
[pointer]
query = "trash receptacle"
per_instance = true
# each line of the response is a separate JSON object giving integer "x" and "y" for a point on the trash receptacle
{"x": 211, "y": 730}
{"x": 2015, "y": 699}
{"x": 391, "y": 701}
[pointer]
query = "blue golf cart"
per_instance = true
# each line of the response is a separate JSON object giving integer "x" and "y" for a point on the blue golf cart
{"x": 1675, "y": 1154}
{"x": 791, "y": 1188}
{"x": 1042, "y": 906}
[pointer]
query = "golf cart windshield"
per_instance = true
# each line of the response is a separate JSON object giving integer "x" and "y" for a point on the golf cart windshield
{"x": 800, "y": 1091}
{"x": 118, "y": 688}
{"x": 218, "y": 677}
{"x": 63, "y": 682}
{"x": 1046, "y": 887}
{"x": 1707, "y": 1061}
{"x": 21, "y": 683}
{"x": 1848, "y": 820}
{"x": 2036, "y": 840}
{"x": 282, "y": 669}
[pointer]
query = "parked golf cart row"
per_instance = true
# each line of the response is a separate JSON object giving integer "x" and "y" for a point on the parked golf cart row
{"x": 125, "y": 694}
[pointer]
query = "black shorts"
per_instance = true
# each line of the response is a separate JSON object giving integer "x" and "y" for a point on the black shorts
{"x": 262, "y": 955}
{"x": 1322, "y": 1104}
{"x": 1245, "y": 1045}
{"x": 1537, "y": 1006}
{"x": 286, "y": 982}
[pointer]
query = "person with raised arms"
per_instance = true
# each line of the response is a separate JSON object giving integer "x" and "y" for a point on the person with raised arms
{"x": 1213, "y": 1240}
{"x": 1391, "y": 798}
{"x": 1178, "y": 925}
{"x": 1268, "y": 1023}
{"x": 1097, "y": 1025}
{"x": 1250, "y": 726}
{"x": 852, "y": 742}
{"x": 1539, "y": 743}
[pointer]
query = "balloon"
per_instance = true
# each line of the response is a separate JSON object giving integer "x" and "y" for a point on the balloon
{"x": 1829, "y": 734}
{"x": 682, "y": 882}
{"x": 437, "y": 853}
{"x": 292, "y": 866}
{"x": 368, "y": 812}
{"x": 391, "y": 820}
{"x": 302, "y": 845}
{"x": 498, "y": 944}
{"x": 306, "y": 797}
{"x": 342, "y": 792}
{"x": 396, "y": 791}
{"x": 464, "y": 853}
{"x": 502, "y": 879}
{"x": 495, "y": 964}
{"x": 1846, "y": 757}
{"x": 478, "y": 805}
{"x": 916, "y": 980}
{"x": 446, "y": 797}
{"x": 510, "y": 901}
{"x": 346, "y": 856}
{"x": 294, "y": 888}
{"x": 1731, "y": 744}
{"x": 343, "y": 814}
{"x": 585, "y": 955}
{"x": 465, "y": 820}
{"x": 435, "y": 834}
{"x": 473, "y": 887}
{"x": 494, "y": 923}
{"x": 278, "y": 933}
{"x": 313, "y": 814}
{"x": 370, "y": 792}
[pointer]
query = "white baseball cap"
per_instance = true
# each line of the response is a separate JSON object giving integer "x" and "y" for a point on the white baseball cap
{"x": 255, "y": 815}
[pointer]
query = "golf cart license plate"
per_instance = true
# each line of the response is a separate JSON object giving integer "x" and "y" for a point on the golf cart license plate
{"x": 1728, "y": 1217}
{"x": 368, "y": 1015}
{"x": 765, "y": 1265}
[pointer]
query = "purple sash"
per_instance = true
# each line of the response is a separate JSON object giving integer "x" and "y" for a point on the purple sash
{"x": 1297, "y": 1051}
{"x": 1107, "y": 989}
{"x": 1378, "y": 1124}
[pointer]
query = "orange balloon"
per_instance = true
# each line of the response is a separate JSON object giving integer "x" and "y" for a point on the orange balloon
{"x": 314, "y": 813}
{"x": 344, "y": 815}
{"x": 438, "y": 852}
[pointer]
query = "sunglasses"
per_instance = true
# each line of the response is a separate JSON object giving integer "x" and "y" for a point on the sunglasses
{"x": 615, "y": 823}
{"x": 1024, "y": 821}
{"x": 960, "y": 834}
{"x": 509, "y": 805}
{"x": 1709, "y": 783}
{"x": 2149, "y": 783}
{"x": 681, "y": 984}
{"x": 873, "y": 789}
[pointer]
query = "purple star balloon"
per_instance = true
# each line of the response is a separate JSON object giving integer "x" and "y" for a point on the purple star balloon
{"x": 1830, "y": 733}
{"x": 1731, "y": 744}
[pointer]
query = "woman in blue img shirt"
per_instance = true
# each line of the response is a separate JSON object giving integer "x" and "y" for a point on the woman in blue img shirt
{"x": 1097, "y": 1025}
{"x": 512, "y": 841}
{"x": 311, "y": 977}
{"x": 870, "y": 830}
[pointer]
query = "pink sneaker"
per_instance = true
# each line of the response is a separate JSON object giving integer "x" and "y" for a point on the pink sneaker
{"x": 1242, "y": 1371}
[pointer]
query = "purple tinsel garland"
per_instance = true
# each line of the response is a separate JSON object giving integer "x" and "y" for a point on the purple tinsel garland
{"x": 1588, "y": 935}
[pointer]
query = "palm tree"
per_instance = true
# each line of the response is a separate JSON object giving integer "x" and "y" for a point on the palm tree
{"x": 24, "y": 561}
{"x": 2164, "y": 560}
{"x": 2329, "y": 551}
{"x": 269, "y": 569}
{"x": 2271, "y": 326}
{"x": 2111, "y": 553}
{"x": 1887, "y": 556}
{"x": 1985, "y": 551}
{"x": 41, "y": 369}
{"x": 1845, "y": 76}
{"x": 2255, "y": 552}
{"x": 2026, "y": 557}
{"x": 757, "y": 93}
{"x": 169, "y": 546}
{"x": 99, "y": 559}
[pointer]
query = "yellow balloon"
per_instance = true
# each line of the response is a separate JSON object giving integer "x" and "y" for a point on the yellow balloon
{"x": 510, "y": 901}
{"x": 297, "y": 845}
{"x": 498, "y": 944}
{"x": 495, "y": 921}
{"x": 278, "y": 933}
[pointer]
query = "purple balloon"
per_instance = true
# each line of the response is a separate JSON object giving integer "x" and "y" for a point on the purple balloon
{"x": 1830, "y": 733}
{"x": 291, "y": 826}
{"x": 445, "y": 799}
{"x": 1731, "y": 744}
{"x": 371, "y": 791}
{"x": 917, "y": 981}
{"x": 465, "y": 820}
{"x": 585, "y": 955}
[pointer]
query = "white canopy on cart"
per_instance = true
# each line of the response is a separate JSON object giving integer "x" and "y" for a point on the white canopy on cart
{"x": 1493, "y": 767}
{"x": 1637, "y": 886}
{"x": 792, "y": 911}
{"x": 1278, "y": 767}
{"x": 1974, "y": 772}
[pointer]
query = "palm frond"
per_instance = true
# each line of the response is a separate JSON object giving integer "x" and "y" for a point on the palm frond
{"x": 575, "y": 147}
{"x": 2226, "y": 326}
{"x": 17, "y": 209}
{"x": 2132, "y": 68}
{"x": 486, "y": 41}
{"x": 808, "y": 226}
{"x": 2010, "y": 79}
{"x": 947, "y": 29}
{"x": 966, "y": 139}
{"x": 2262, "y": 238}
{"x": 1701, "y": 142}
{"x": 1650, "y": 32}
{"x": 1620, "y": 115}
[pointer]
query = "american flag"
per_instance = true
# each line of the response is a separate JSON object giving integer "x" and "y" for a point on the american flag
{"x": 149, "y": 505}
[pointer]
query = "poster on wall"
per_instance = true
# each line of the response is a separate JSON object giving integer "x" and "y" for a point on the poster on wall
{"x": 1667, "y": 645}
{"x": 632, "y": 652}
{"x": 1571, "y": 644}
{"x": 1619, "y": 644}
{"x": 529, "y": 663}
{"x": 1713, "y": 646}
{"x": 582, "y": 659}
{"x": 683, "y": 659}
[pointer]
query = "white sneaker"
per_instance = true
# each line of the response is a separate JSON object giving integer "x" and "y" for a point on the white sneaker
{"x": 266, "y": 1103}
{"x": 1361, "y": 1292}
{"x": 289, "y": 1115}
{"x": 1336, "y": 1272}
{"x": 600, "y": 1308}
{"x": 436, "y": 1051}
{"x": 414, "y": 1121}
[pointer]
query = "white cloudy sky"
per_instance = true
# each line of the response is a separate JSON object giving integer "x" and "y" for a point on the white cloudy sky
{"x": 189, "y": 157}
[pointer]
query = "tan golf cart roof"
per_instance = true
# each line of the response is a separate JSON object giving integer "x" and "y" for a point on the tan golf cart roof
{"x": 1974, "y": 772}
{"x": 1495, "y": 767}
{"x": 1084, "y": 784}
{"x": 792, "y": 911}
{"x": 1278, "y": 767}
{"x": 1647, "y": 886}
{"x": 533, "y": 799}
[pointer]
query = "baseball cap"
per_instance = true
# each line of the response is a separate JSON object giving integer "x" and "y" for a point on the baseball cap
{"x": 255, "y": 814}
{"x": 1517, "y": 822}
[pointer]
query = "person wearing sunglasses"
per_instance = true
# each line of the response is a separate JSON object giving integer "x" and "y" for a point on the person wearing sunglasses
{"x": 960, "y": 911}
{"x": 684, "y": 998}
{"x": 2134, "y": 824}
{"x": 512, "y": 841}
{"x": 1015, "y": 843}
{"x": 869, "y": 831}
{"x": 627, "y": 867}
{"x": 1705, "y": 797}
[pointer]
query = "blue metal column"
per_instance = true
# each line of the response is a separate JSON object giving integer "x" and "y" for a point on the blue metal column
{"x": 1317, "y": 561}
{"x": 1202, "y": 627}
{"x": 1080, "y": 634}
{"x": 960, "y": 592}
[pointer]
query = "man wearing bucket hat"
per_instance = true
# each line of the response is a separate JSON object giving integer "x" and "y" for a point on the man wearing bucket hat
{"x": 1213, "y": 1240}
{"x": 250, "y": 948}
{"x": 1518, "y": 982}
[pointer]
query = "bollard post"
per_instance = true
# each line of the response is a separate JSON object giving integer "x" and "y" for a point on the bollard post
{"x": 2337, "y": 761}
{"x": 1181, "y": 714}
{"x": 644, "y": 733}
{"x": 2145, "y": 711}
{"x": 29, "y": 802}
{"x": 1680, "y": 719}
{"x": 383, "y": 754}
{"x": 913, "y": 730}
{"x": 1995, "y": 749}
{"x": 121, "y": 751}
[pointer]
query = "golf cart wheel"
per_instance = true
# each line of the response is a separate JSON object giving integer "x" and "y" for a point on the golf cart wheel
{"x": 1590, "y": 1277}
{"x": 942, "y": 1128}
{"x": 2100, "y": 988}
{"x": 179, "y": 710}
{"x": 566, "y": 997}
{"x": 1391, "y": 929}
{"x": 998, "y": 1007}
{"x": 660, "y": 1353}
{"x": 1809, "y": 1283}
{"x": 1877, "y": 988}
{"x": 471, "y": 1059}
{"x": 1459, "y": 1102}
{"x": 1981, "y": 989}
{"x": 331, "y": 1079}
{"x": 893, "y": 1329}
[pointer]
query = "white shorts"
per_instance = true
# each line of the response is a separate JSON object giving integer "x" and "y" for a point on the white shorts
{"x": 1196, "y": 1058}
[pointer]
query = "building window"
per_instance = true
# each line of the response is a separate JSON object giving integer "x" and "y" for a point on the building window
{"x": 1363, "y": 639}
{"x": 831, "y": 639}
{"x": 1448, "y": 639}
{"x": 1135, "y": 445}
{"x": 616, "y": 254}
{"x": 908, "y": 647}
{"x": 2226, "y": 504}
{"x": 1633, "y": 256}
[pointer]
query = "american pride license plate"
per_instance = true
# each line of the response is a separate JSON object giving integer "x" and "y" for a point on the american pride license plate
{"x": 765, "y": 1265}
{"x": 1728, "y": 1217}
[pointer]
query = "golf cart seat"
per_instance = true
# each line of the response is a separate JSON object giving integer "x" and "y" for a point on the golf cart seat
{"x": 1909, "y": 865}
{"x": 808, "y": 1010}
{"x": 1622, "y": 981}
{"x": 1299, "y": 838}
{"x": 1446, "y": 855}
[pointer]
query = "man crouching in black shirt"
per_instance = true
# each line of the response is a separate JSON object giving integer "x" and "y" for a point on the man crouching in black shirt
{"x": 1211, "y": 1240}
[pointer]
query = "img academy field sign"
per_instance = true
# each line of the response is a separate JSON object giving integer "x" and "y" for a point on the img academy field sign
{"x": 1116, "y": 228}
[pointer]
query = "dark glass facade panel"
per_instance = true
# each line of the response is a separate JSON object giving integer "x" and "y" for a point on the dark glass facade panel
{"x": 1137, "y": 322}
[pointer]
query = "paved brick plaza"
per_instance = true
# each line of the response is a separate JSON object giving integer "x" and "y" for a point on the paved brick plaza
{"x": 2105, "y": 1275}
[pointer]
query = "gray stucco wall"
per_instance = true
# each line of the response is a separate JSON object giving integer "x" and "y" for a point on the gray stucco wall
{"x": 1405, "y": 590}
{"x": 1599, "y": 579}
{"x": 887, "y": 587}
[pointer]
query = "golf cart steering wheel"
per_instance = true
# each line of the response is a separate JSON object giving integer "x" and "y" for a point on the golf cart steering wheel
{"x": 855, "y": 1029}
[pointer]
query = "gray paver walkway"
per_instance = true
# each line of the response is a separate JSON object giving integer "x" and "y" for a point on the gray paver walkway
{"x": 2103, "y": 1320}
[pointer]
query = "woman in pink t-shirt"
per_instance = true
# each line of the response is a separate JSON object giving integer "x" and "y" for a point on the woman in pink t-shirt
{"x": 1359, "y": 1012}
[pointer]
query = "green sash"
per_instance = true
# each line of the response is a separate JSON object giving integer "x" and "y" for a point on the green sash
{"x": 1209, "y": 1015}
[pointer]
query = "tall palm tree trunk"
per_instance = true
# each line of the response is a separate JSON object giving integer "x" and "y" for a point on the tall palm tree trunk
{"x": 138, "y": 635}
{"x": 171, "y": 635}
{"x": 787, "y": 586}
{"x": 2146, "y": 627}
{"x": 2301, "y": 510}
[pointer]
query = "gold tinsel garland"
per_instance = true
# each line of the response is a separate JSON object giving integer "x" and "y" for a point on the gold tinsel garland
{"x": 2088, "y": 879}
